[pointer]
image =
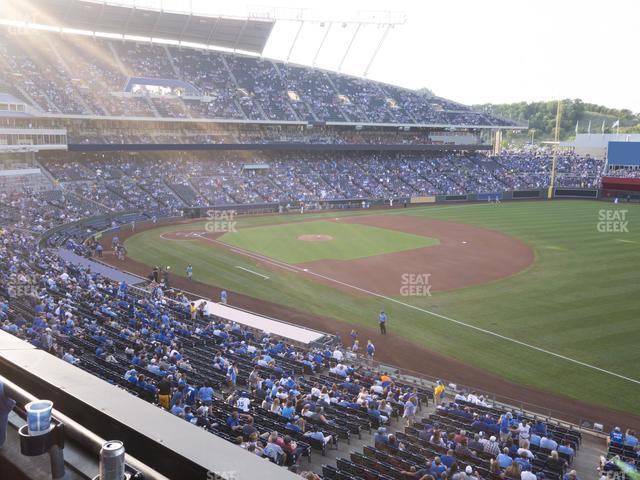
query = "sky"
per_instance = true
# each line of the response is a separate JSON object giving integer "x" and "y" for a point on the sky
{"x": 471, "y": 51}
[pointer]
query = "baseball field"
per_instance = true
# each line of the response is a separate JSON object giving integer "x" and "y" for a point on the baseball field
{"x": 542, "y": 297}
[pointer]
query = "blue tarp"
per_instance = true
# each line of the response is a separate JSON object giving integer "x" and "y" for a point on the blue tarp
{"x": 104, "y": 270}
{"x": 624, "y": 153}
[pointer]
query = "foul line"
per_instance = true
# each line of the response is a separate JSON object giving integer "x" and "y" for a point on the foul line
{"x": 251, "y": 271}
{"x": 255, "y": 256}
{"x": 423, "y": 310}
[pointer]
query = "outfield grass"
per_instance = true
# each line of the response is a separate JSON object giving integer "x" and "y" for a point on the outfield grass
{"x": 350, "y": 241}
{"x": 580, "y": 299}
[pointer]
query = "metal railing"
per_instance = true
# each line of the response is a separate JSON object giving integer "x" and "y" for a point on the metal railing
{"x": 76, "y": 432}
{"x": 493, "y": 399}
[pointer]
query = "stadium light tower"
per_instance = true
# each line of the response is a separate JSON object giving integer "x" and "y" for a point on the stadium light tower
{"x": 346, "y": 52}
{"x": 324, "y": 38}
{"x": 375, "y": 53}
{"x": 303, "y": 16}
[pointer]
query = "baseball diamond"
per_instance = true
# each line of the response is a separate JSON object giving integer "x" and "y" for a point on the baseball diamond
{"x": 494, "y": 282}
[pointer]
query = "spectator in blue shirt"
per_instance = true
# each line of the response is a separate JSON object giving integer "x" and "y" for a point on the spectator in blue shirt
{"x": 548, "y": 443}
{"x": 540, "y": 428}
{"x": 232, "y": 374}
{"x": 233, "y": 422}
{"x": 288, "y": 411}
{"x": 505, "y": 426}
{"x": 188, "y": 416}
{"x": 616, "y": 436}
{"x": 380, "y": 438}
{"x": 504, "y": 460}
{"x": 523, "y": 462}
{"x": 177, "y": 409}
{"x": 566, "y": 449}
{"x": 317, "y": 434}
{"x": 273, "y": 450}
{"x": 292, "y": 425}
{"x": 437, "y": 468}
{"x": 205, "y": 395}
{"x": 178, "y": 395}
{"x": 630, "y": 439}
{"x": 371, "y": 349}
{"x": 534, "y": 439}
{"x": 448, "y": 459}
{"x": 374, "y": 412}
{"x": 131, "y": 375}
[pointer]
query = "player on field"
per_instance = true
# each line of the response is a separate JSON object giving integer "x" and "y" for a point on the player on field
{"x": 189, "y": 272}
{"x": 382, "y": 321}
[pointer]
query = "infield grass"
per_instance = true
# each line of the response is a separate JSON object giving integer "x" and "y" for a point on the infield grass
{"x": 580, "y": 298}
{"x": 349, "y": 241}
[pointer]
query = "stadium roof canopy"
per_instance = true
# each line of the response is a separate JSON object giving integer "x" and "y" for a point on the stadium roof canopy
{"x": 246, "y": 34}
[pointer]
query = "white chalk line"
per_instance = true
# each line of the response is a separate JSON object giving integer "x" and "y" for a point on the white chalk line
{"x": 255, "y": 256}
{"x": 180, "y": 237}
{"x": 429, "y": 312}
{"x": 251, "y": 271}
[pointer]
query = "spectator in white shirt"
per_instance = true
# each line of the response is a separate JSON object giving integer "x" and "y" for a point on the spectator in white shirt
{"x": 524, "y": 430}
{"x": 243, "y": 403}
{"x": 524, "y": 448}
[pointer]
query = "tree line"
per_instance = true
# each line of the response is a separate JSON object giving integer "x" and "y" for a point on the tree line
{"x": 542, "y": 116}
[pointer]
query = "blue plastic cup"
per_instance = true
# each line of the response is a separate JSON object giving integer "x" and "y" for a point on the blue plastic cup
{"x": 39, "y": 416}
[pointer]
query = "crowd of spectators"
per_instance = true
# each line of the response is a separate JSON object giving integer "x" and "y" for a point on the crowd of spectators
{"x": 265, "y": 135}
{"x": 623, "y": 455}
{"x": 289, "y": 178}
{"x": 274, "y": 399}
{"x": 468, "y": 439}
{"x": 623, "y": 172}
{"x": 529, "y": 168}
{"x": 278, "y": 401}
{"x": 79, "y": 75}
{"x": 163, "y": 185}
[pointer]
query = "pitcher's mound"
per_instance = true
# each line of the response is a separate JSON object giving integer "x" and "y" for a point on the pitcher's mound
{"x": 315, "y": 238}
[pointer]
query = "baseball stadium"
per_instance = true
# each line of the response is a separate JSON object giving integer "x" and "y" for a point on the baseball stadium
{"x": 232, "y": 266}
